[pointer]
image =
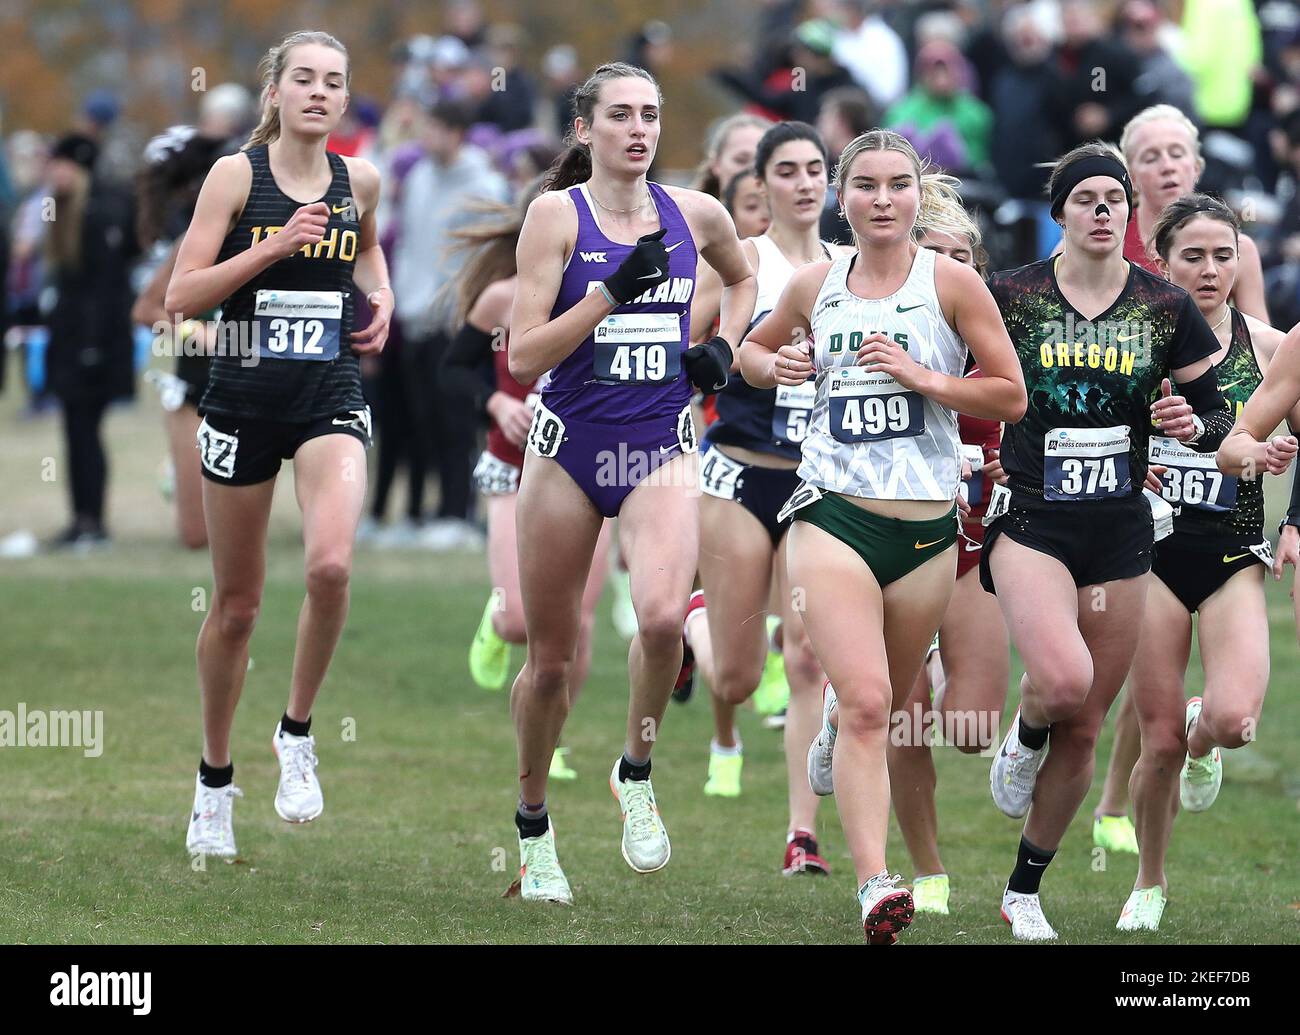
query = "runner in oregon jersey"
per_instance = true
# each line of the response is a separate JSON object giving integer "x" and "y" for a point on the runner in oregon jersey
{"x": 873, "y": 543}
{"x": 1210, "y": 564}
{"x": 748, "y": 469}
{"x": 1068, "y": 552}
{"x": 284, "y": 384}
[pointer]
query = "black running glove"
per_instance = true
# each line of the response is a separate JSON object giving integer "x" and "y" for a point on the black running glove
{"x": 708, "y": 366}
{"x": 646, "y": 268}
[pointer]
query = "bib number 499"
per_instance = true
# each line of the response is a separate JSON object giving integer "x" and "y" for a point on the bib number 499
{"x": 867, "y": 418}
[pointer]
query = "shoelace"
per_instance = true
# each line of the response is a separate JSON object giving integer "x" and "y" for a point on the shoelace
{"x": 880, "y": 883}
{"x": 214, "y": 820}
{"x": 1201, "y": 770}
{"x": 542, "y": 866}
{"x": 640, "y": 812}
{"x": 1030, "y": 915}
{"x": 299, "y": 759}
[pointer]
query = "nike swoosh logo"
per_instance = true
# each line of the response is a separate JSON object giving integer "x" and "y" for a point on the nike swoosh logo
{"x": 1032, "y": 863}
{"x": 1229, "y": 560}
{"x": 339, "y": 208}
{"x": 666, "y": 449}
{"x": 971, "y": 547}
{"x": 677, "y": 245}
{"x": 909, "y": 308}
{"x": 1224, "y": 388}
{"x": 651, "y": 276}
{"x": 1122, "y": 338}
{"x": 922, "y": 546}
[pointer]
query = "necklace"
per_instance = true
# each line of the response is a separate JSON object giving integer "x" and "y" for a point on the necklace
{"x": 1227, "y": 310}
{"x": 619, "y": 211}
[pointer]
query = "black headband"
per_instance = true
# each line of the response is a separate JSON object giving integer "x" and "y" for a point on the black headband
{"x": 1085, "y": 168}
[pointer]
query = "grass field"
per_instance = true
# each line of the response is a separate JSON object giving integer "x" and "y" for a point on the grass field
{"x": 416, "y": 842}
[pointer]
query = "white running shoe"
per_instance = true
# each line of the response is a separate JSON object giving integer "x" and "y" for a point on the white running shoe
{"x": 298, "y": 798}
{"x": 1143, "y": 910}
{"x": 540, "y": 876}
{"x": 645, "y": 839}
{"x": 1200, "y": 778}
{"x": 886, "y": 909}
{"x": 821, "y": 752}
{"x": 212, "y": 830}
{"x": 1014, "y": 772}
{"x": 1025, "y": 915}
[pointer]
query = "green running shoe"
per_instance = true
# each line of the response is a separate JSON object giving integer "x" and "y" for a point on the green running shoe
{"x": 1201, "y": 778}
{"x": 489, "y": 654}
{"x": 623, "y": 613}
{"x": 560, "y": 766}
{"x": 724, "y": 774}
{"x": 930, "y": 894}
{"x": 1115, "y": 834}
{"x": 773, "y": 692}
{"x": 1143, "y": 910}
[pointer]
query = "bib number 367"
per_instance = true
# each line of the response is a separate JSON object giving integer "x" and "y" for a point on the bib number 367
{"x": 1085, "y": 463}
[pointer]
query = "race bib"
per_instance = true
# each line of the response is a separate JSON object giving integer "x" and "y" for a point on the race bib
{"x": 495, "y": 477}
{"x": 1264, "y": 551}
{"x": 790, "y": 415}
{"x": 217, "y": 450}
{"x": 546, "y": 432}
{"x": 999, "y": 504}
{"x": 1162, "y": 514}
{"x": 1192, "y": 479}
{"x": 867, "y": 406}
{"x": 686, "y": 430}
{"x": 803, "y": 496}
{"x": 1085, "y": 464}
{"x": 303, "y": 325}
{"x": 972, "y": 488}
{"x": 720, "y": 475}
{"x": 638, "y": 348}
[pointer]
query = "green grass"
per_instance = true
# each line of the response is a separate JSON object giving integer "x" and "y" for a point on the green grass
{"x": 416, "y": 842}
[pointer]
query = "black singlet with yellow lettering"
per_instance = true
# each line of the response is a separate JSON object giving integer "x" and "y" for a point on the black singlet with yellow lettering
{"x": 306, "y": 387}
{"x": 1092, "y": 374}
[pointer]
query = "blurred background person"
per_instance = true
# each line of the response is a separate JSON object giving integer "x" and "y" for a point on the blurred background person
{"x": 433, "y": 203}
{"x": 89, "y": 249}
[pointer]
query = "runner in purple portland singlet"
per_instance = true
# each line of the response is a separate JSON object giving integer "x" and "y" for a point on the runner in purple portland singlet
{"x": 607, "y": 266}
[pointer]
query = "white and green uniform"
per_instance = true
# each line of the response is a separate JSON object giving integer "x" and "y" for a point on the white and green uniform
{"x": 869, "y": 436}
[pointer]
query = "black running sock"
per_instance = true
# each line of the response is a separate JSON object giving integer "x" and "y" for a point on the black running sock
{"x": 295, "y": 728}
{"x": 629, "y": 770}
{"x": 216, "y": 776}
{"x": 1032, "y": 738}
{"x": 1031, "y": 863}
{"x": 532, "y": 822}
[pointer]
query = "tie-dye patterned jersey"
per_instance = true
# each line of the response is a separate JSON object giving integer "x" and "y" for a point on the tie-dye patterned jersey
{"x": 1090, "y": 382}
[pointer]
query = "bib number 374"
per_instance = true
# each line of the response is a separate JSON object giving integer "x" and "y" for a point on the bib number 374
{"x": 1086, "y": 464}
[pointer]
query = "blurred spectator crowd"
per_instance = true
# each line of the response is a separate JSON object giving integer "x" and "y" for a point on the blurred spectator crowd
{"x": 986, "y": 89}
